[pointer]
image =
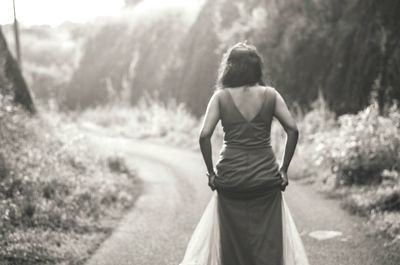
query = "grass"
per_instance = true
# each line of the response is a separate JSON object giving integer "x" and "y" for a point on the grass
{"x": 166, "y": 122}
{"x": 58, "y": 199}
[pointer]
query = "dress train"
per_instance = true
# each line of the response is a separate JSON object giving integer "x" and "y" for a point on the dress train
{"x": 204, "y": 245}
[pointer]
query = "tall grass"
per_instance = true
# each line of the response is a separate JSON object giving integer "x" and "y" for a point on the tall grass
{"x": 169, "y": 122}
{"x": 55, "y": 193}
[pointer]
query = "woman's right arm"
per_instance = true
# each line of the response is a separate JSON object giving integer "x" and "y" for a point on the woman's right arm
{"x": 211, "y": 119}
{"x": 285, "y": 118}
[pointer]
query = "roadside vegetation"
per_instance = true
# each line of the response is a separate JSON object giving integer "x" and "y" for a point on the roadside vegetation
{"x": 353, "y": 157}
{"x": 167, "y": 122}
{"x": 58, "y": 199}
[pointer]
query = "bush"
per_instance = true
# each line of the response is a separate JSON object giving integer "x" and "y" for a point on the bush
{"x": 54, "y": 190}
{"x": 367, "y": 199}
{"x": 365, "y": 146}
{"x": 311, "y": 162}
{"x": 386, "y": 223}
{"x": 357, "y": 149}
{"x": 355, "y": 157}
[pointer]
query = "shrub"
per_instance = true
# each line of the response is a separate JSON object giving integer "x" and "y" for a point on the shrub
{"x": 386, "y": 223}
{"x": 52, "y": 182}
{"x": 118, "y": 164}
{"x": 354, "y": 150}
{"x": 365, "y": 146}
{"x": 367, "y": 199}
{"x": 356, "y": 157}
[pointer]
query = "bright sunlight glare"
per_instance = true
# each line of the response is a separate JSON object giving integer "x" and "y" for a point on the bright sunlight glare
{"x": 55, "y": 12}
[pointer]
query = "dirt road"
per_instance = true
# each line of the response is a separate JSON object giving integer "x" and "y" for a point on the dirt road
{"x": 158, "y": 228}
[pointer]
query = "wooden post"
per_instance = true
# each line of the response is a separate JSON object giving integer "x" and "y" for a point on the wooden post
{"x": 16, "y": 34}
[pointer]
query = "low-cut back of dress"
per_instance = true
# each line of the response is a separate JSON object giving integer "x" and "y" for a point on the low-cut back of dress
{"x": 247, "y": 166}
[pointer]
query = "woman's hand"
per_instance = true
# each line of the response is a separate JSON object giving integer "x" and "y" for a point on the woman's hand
{"x": 211, "y": 180}
{"x": 284, "y": 116}
{"x": 285, "y": 180}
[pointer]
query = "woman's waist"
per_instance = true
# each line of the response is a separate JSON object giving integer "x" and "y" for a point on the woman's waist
{"x": 243, "y": 191}
{"x": 246, "y": 166}
{"x": 247, "y": 140}
{"x": 242, "y": 146}
{"x": 228, "y": 152}
{"x": 247, "y": 169}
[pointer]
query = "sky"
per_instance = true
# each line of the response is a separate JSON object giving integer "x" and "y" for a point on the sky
{"x": 55, "y": 12}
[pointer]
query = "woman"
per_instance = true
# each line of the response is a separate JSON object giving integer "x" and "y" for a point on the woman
{"x": 247, "y": 223}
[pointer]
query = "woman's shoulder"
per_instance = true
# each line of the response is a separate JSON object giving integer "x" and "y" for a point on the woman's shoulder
{"x": 218, "y": 93}
{"x": 269, "y": 90}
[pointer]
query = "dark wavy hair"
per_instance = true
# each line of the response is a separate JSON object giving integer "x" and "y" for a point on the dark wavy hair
{"x": 241, "y": 65}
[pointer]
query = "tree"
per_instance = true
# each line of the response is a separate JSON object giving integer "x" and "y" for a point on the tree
{"x": 16, "y": 34}
{"x": 11, "y": 80}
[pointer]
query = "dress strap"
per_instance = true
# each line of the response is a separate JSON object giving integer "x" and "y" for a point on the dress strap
{"x": 271, "y": 99}
{"x": 269, "y": 105}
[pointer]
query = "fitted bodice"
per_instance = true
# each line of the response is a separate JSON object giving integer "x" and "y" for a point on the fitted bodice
{"x": 247, "y": 166}
{"x": 242, "y": 133}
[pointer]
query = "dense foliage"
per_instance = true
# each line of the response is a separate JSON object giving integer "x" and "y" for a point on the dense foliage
{"x": 55, "y": 194}
{"x": 58, "y": 201}
{"x": 355, "y": 149}
{"x": 130, "y": 56}
{"x": 347, "y": 50}
{"x": 357, "y": 157}
{"x": 343, "y": 48}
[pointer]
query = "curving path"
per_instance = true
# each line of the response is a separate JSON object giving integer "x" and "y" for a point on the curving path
{"x": 158, "y": 228}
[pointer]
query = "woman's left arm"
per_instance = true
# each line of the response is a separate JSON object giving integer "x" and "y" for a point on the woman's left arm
{"x": 211, "y": 119}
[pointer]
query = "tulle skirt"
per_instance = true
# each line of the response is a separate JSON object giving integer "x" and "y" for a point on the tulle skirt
{"x": 204, "y": 247}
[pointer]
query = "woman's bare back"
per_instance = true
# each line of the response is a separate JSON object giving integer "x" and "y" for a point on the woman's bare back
{"x": 248, "y": 100}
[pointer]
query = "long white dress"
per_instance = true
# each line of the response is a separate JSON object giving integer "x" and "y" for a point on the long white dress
{"x": 204, "y": 245}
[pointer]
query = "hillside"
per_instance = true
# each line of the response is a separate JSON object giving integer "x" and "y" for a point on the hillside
{"x": 130, "y": 56}
{"x": 308, "y": 46}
